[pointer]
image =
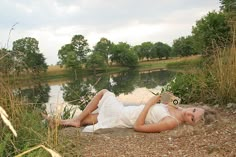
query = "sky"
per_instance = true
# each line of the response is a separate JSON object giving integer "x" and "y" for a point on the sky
{"x": 54, "y": 22}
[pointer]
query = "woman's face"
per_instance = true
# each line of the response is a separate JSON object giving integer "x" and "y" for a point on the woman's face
{"x": 192, "y": 115}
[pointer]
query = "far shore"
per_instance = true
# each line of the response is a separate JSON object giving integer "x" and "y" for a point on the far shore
{"x": 56, "y": 73}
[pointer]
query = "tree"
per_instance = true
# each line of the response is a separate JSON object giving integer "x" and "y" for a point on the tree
{"x": 80, "y": 47}
{"x": 160, "y": 50}
{"x": 137, "y": 50}
{"x": 124, "y": 55}
{"x": 73, "y": 55}
{"x": 37, "y": 62}
{"x": 229, "y": 8}
{"x": 210, "y": 30}
{"x": 6, "y": 61}
{"x": 103, "y": 47}
{"x": 27, "y": 55}
{"x": 95, "y": 61}
{"x": 68, "y": 57}
{"x": 184, "y": 46}
{"x": 145, "y": 50}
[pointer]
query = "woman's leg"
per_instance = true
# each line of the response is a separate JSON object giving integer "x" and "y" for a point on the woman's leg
{"x": 92, "y": 105}
{"x": 85, "y": 117}
{"x": 88, "y": 120}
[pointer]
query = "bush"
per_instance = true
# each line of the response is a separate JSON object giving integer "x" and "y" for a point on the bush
{"x": 214, "y": 83}
{"x": 25, "y": 119}
{"x": 185, "y": 86}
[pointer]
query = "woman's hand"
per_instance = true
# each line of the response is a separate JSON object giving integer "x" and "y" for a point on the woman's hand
{"x": 154, "y": 100}
{"x": 141, "y": 118}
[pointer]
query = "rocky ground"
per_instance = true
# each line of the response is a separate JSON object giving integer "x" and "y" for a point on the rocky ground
{"x": 215, "y": 140}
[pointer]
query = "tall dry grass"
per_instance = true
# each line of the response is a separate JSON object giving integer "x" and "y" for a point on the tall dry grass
{"x": 213, "y": 81}
{"x": 223, "y": 72}
{"x": 21, "y": 127}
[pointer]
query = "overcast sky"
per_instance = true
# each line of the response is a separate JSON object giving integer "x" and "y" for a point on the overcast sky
{"x": 54, "y": 22}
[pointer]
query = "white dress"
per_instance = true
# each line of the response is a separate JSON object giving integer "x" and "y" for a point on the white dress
{"x": 113, "y": 114}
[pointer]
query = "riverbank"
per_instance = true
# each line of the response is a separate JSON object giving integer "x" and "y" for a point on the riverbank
{"x": 60, "y": 74}
{"x": 57, "y": 72}
{"x": 217, "y": 139}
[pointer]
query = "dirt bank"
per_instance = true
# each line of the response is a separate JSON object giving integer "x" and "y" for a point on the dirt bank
{"x": 218, "y": 139}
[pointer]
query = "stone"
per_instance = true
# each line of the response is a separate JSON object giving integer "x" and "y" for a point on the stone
{"x": 231, "y": 105}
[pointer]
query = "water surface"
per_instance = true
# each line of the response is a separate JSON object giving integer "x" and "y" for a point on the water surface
{"x": 130, "y": 87}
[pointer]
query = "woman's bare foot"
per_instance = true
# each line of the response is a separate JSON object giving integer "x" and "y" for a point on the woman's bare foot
{"x": 54, "y": 122}
{"x": 70, "y": 122}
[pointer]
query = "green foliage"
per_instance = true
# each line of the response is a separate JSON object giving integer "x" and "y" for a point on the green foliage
{"x": 229, "y": 8}
{"x": 160, "y": 50}
{"x": 29, "y": 129}
{"x": 137, "y": 50}
{"x": 123, "y": 54}
{"x": 37, "y": 95}
{"x": 227, "y": 5}
{"x": 27, "y": 57}
{"x": 129, "y": 59}
{"x": 145, "y": 50}
{"x": 4, "y": 142}
{"x": 185, "y": 86}
{"x": 103, "y": 47}
{"x": 211, "y": 30}
{"x": 68, "y": 57}
{"x": 6, "y": 61}
{"x": 68, "y": 112}
{"x": 77, "y": 93}
{"x": 96, "y": 61}
{"x": 184, "y": 46}
{"x": 25, "y": 119}
{"x": 80, "y": 47}
{"x": 26, "y": 45}
{"x": 74, "y": 54}
{"x": 214, "y": 83}
{"x": 186, "y": 64}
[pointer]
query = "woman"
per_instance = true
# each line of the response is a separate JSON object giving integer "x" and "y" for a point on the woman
{"x": 105, "y": 111}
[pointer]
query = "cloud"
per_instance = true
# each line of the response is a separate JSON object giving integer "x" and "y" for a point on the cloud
{"x": 53, "y": 23}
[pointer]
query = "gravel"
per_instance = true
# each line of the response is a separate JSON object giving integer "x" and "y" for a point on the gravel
{"x": 215, "y": 140}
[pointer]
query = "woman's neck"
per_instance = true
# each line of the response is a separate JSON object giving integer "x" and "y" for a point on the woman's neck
{"x": 177, "y": 113}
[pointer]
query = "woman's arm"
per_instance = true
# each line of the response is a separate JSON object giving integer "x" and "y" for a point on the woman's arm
{"x": 165, "y": 124}
{"x": 142, "y": 116}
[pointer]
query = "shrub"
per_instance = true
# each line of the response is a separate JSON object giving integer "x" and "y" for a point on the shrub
{"x": 214, "y": 83}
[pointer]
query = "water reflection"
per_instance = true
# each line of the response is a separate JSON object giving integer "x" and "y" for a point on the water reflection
{"x": 131, "y": 87}
{"x": 37, "y": 94}
{"x": 122, "y": 84}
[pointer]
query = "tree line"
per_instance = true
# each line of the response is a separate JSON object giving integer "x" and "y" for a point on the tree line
{"x": 215, "y": 28}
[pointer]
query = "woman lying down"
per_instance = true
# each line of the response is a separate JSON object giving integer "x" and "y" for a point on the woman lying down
{"x": 157, "y": 115}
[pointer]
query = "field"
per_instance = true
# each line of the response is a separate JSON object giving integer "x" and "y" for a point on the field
{"x": 56, "y": 70}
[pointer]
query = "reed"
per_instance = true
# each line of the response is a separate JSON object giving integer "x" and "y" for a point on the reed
{"x": 223, "y": 72}
{"x": 213, "y": 81}
{"x": 22, "y": 120}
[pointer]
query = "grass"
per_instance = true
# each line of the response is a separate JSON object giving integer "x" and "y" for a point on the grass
{"x": 186, "y": 63}
{"x": 211, "y": 79}
{"x": 60, "y": 74}
{"x": 56, "y": 72}
{"x": 26, "y": 121}
{"x": 223, "y": 71}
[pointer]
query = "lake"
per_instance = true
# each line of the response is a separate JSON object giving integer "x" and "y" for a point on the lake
{"x": 131, "y": 87}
